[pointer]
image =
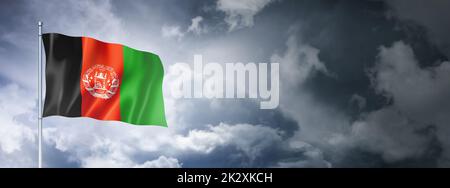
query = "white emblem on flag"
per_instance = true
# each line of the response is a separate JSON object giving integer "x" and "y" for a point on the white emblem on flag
{"x": 101, "y": 81}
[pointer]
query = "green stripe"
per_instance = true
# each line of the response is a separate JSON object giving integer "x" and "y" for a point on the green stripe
{"x": 141, "y": 97}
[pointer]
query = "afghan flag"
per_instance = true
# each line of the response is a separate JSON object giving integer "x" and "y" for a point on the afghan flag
{"x": 105, "y": 81}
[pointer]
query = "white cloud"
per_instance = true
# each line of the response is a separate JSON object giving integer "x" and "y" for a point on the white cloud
{"x": 17, "y": 136}
{"x": 412, "y": 88}
{"x": 172, "y": 31}
{"x": 250, "y": 139}
{"x": 161, "y": 162}
{"x": 93, "y": 18}
{"x": 105, "y": 152}
{"x": 15, "y": 102}
{"x": 312, "y": 157}
{"x": 298, "y": 63}
{"x": 79, "y": 18}
{"x": 111, "y": 154}
{"x": 388, "y": 132}
{"x": 175, "y": 31}
{"x": 239, "y": 13}
{"x": 418, "y": 96}
{"x": 114, "y": 146}
{"x": 196, "y": 27}
{"x": 93, "y": 146}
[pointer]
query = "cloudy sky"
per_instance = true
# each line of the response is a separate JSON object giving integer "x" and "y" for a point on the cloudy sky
{"x": 362, "y": 83}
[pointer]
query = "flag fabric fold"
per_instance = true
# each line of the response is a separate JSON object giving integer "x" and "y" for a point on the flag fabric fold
{"x": 86, "y": 77}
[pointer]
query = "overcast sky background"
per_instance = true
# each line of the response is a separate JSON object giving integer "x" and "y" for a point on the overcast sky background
{"x": 363, "y": 83}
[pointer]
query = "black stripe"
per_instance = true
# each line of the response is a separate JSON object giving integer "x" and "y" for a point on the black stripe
{"x": 63, "y": 68}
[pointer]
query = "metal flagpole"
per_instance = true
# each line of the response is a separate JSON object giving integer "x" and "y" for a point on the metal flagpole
{"x": 40, "y": 97}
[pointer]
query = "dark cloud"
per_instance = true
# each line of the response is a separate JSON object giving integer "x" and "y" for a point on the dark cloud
{"x": 344, "y": 101}
{"x": 432, "y": 15}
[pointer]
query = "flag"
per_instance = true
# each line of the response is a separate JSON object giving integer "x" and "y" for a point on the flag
{"x": 86, "y": 77}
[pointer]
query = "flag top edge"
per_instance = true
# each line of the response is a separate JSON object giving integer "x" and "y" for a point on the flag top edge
{"x": 113, "y": 43}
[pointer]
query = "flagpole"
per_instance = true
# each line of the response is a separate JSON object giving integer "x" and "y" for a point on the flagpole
{"x": 40, "y": 97}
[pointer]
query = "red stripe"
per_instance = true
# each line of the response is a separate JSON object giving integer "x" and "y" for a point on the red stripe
{"x": 97, "y": 53}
